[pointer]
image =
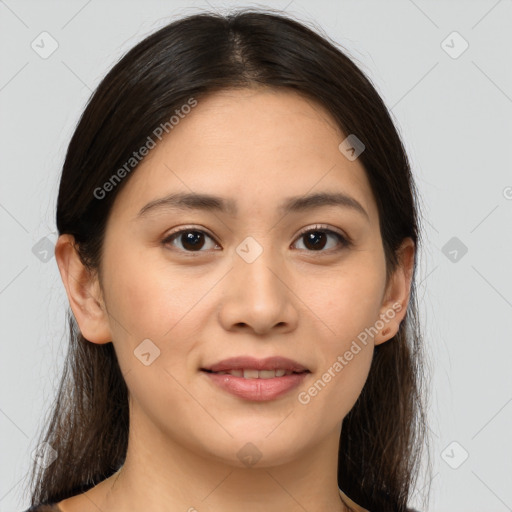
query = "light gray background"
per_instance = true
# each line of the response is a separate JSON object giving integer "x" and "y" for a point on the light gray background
{"x": 454, "y": 115}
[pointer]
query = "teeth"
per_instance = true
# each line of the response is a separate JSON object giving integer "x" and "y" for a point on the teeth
{"x": 255, "y": 374}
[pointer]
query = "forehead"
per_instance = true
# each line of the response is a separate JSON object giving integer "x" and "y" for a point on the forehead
{"x": 254, "y": 146}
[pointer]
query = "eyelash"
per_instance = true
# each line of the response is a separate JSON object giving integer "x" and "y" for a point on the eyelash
{"x": 344, "y": 241}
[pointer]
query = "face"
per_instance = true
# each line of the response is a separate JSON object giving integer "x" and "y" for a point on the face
{"x": 186, "y": 287}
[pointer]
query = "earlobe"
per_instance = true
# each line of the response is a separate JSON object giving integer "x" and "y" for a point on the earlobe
{"x": 396, "y": 298}
{"x": 83, "y": 291}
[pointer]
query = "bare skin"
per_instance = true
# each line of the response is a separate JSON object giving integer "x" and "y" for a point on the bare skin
{"x": 257, "y": 147}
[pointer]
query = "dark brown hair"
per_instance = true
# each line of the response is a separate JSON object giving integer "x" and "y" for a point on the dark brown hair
{"x": 384, "y": 433}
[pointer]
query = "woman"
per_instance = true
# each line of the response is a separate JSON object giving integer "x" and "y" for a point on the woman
{"x": 238, "y": 242}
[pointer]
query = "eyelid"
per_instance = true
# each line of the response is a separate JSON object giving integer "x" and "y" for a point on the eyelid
{"x": 191, "y": 227}
{"x": 328, "y": 229}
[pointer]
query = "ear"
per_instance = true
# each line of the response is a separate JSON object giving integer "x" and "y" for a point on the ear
{"x": 84, "y": 292}
{"x": 396, "y": 297}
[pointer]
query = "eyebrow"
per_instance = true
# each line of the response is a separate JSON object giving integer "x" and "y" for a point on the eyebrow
{"x": 207, "y": 202}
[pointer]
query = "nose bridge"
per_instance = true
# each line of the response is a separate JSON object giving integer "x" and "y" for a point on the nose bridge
{"x": 256, "y": 262}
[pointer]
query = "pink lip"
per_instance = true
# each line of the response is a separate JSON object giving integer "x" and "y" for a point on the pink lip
{"x": 258, "y": 390}
{"x": 251, "y": 363}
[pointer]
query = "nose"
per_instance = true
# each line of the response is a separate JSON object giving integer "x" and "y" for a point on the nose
{"x": 258, "y": 293}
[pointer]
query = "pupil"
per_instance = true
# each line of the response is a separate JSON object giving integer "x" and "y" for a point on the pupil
{"x": 315, "y": 244}
{"x": 191, "y": 239}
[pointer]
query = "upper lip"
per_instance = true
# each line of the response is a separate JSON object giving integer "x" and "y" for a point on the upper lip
{"x": 247, "y": 362}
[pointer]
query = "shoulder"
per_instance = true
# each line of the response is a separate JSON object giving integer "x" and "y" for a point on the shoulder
{"x": 353, "y": 506}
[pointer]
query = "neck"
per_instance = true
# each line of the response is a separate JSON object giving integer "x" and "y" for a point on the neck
{"x": 160, "y": 474}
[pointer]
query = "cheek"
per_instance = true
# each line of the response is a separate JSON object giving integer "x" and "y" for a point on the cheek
{"x": 350, "y": 310}
{"x": 147, "y": 302}
{"x": 148, "y": 299}
{"x": 350, "y": 375}
{"x": 353, "y": 301}
{"x": 147, "y": 296}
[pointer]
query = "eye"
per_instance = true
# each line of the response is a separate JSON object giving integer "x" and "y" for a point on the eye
{"x": 192, "y": 239}
{"x": 316, "y": 239}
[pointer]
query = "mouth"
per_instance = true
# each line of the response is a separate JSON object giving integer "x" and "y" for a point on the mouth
{"x": 249, "y": 366}
{"x": 256, "y": 379}
{"x": 251, "y": 373}
{"x": 256, "y": 389}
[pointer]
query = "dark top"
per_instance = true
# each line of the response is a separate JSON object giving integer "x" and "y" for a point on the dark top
{"x": 50, "y": 507}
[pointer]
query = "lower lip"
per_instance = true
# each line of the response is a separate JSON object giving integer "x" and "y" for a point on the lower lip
{"x": 258, "y": 390}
